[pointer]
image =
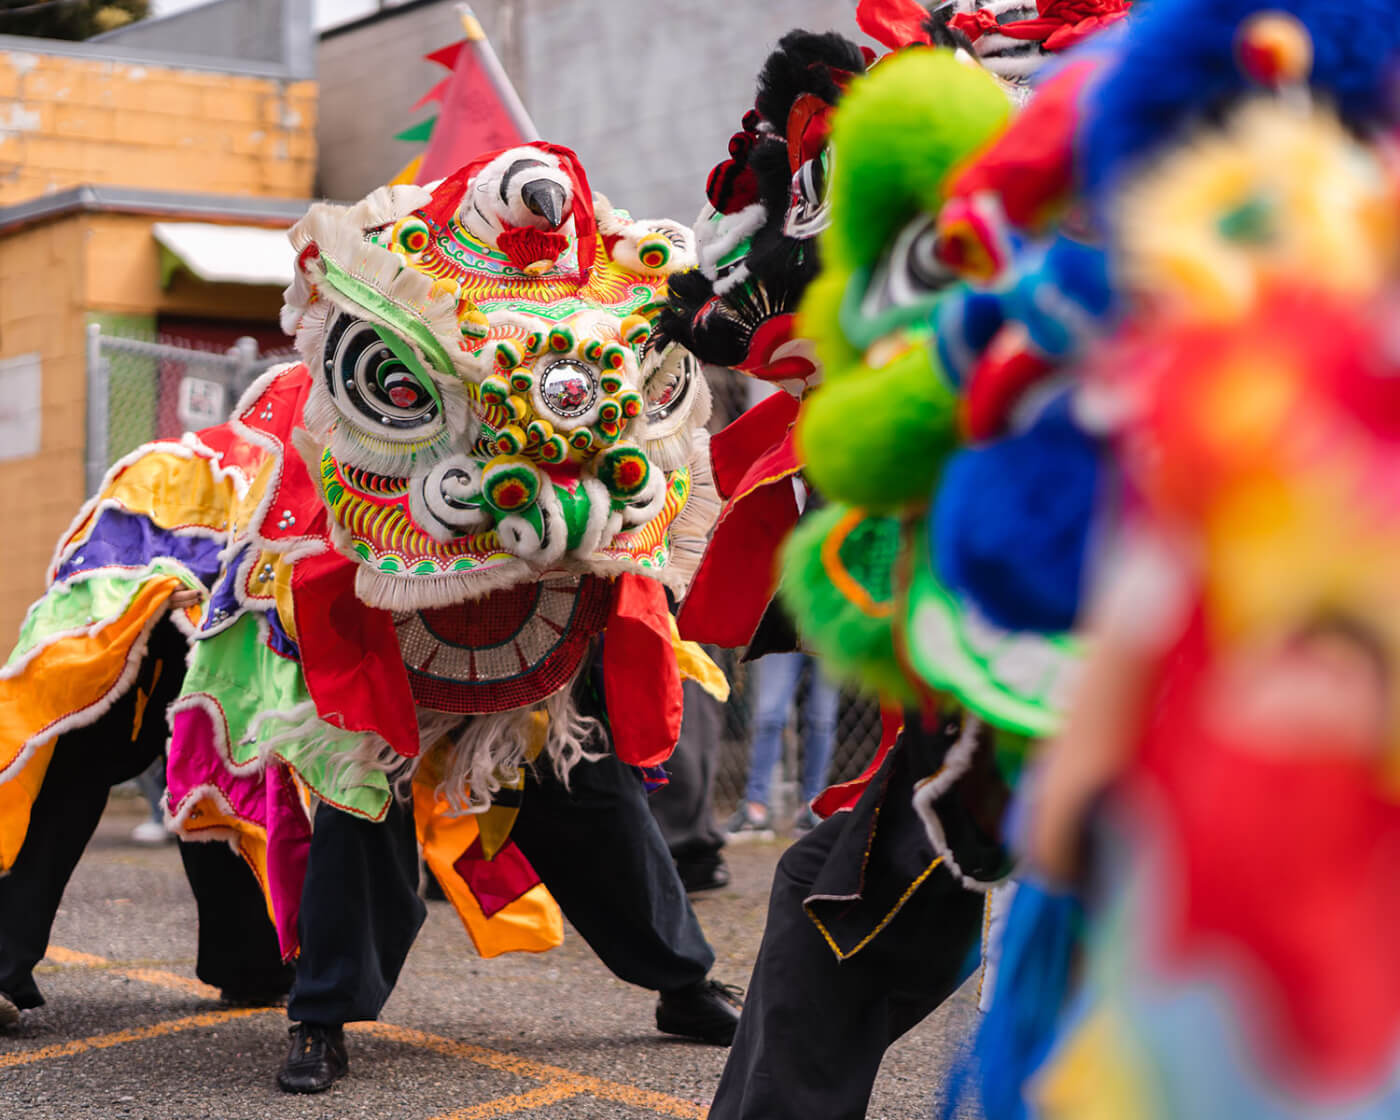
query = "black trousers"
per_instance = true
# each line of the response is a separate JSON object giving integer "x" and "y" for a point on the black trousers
{"x": 360, "y": 912}
{"x": 594, "y": 845}
{"x": 814, "y": 1028}
{"x": 685, "y": 806}
{"x": 600, "y": 852}
{"x": 237, "y": 944}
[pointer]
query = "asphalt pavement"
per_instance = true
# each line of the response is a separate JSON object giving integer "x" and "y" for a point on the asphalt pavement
{"x": 129, "y": 1033}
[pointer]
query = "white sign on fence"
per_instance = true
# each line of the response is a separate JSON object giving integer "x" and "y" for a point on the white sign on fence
{"x": 21, "y": 406}
{"x": 201, "y": 403}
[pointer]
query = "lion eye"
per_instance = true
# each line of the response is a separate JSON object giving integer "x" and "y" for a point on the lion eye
{"x": 371, "y": 384}
{"x": 910, "y": 273}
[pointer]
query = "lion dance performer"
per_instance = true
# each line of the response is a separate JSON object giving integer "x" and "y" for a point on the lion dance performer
{"x": 433, "y": 558}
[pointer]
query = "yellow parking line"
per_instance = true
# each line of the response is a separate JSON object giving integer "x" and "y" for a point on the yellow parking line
{"x": 120, "y": 1038}
{"x": 614, "y": 1091}
{"x": 72, "y": 956}
{"x": 557, "y": 1080}
{"x": 521, "y": 1102}
{"x": 155, "y": 976}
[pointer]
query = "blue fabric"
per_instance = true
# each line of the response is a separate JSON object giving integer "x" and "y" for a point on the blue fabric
{"x": 1178, "y": 66}
{"x": 776, "y": 679}
{"x": 1038, "y": 948}
{"x": 1012, "y": 522}
{"x": 132, "y": 540}
{"x": 223, "y": 600}
{"x": 1063, "y": 297}
{"x": 964, "y": 324}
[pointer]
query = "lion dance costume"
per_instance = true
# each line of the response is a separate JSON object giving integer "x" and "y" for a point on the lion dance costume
{"x": 437, "y": 549}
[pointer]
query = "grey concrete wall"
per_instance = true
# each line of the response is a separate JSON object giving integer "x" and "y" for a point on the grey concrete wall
{"x": 274, "y": 31}
{"x": 646, "y": 91}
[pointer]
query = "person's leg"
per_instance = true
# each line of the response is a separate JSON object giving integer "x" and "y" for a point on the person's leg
{"x": 597, "y": 848}
{"x": 360, "y": 912}
{"x": 775, "y": 681}
{"x": 86, "y": 763}
{"x": 823, "y": 703}
{"x": 814, "y": 1028}
{"x": 684, "y": 806}
{"x": 238, "y": 951}
{"x": 61, "y": 822}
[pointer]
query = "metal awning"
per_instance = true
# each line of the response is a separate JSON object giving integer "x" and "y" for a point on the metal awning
{"x": 220, "y": 254}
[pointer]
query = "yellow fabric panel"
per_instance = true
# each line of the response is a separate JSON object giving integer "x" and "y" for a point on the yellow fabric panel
{"x": 695, "y": 665}
{"x": 16, "y": 797}
{"x": 495, "y": 824}
{"x": 532, "y": 923}
{"x": 1096, "y": 1074}
{"x": 409, "y": 175}
{"x": 173, "y": 490}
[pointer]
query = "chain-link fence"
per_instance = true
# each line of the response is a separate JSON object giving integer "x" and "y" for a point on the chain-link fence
{"x": 145, "y": 387}
{"x": 857, "y": 721}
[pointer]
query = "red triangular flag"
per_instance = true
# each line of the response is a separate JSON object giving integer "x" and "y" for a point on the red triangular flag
{"x": 475, "y": 116}
{"x": 447, "y": 56}
{"x": 434, "y": 94}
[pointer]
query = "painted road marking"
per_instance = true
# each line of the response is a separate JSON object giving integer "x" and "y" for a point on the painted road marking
{"x": 559, "y": 1083}
{"x": 158, "y": 977}
{"x": 521, "y": 1102}
{"x": 136, "y": 1034}
{"x": 615, "y": 1091}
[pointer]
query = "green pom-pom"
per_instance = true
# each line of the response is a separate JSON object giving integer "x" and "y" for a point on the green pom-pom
{"x": 838, "y": 583}
{"x": 878, "y": 438}
{"x": 898, "y": 132}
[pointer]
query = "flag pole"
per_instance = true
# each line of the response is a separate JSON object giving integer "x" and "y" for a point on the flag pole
{"x": 495, "y": 72}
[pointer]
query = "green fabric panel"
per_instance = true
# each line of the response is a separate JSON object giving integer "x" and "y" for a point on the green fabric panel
{"x": 247, "y": 679}
{"x": 392, "y": 313}
{"x": 80, "y": 603}
{"x": 1016, "y": 681}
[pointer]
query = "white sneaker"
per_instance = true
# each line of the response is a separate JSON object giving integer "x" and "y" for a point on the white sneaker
{"x": 150, "y": 832}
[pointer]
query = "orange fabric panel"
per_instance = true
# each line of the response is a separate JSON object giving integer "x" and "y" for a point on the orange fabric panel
{"x": 16, "y": 797}
{"x": 532, "y": 923}
{"x": 70, "y": 676}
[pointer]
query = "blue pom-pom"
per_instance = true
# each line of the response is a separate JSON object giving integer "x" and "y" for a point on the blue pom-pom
{"x": 1012, "y": 523}
{"x": 1178, "y": 66}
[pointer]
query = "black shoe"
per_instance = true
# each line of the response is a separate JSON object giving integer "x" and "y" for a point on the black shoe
{"x": 703, "y": 875}
{"x": 707, "y": 1012}
{"x": 316, "y": 1060}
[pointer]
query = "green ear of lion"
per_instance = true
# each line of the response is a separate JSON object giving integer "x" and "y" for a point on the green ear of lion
{"x": 897, "y": 135}
{"x": 837, "y": 581}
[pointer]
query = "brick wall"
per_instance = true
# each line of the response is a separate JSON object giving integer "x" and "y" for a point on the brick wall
{"x": 55, "y": 278}
{"x": 67, "y": 120}
{"x": 41, "y": 310}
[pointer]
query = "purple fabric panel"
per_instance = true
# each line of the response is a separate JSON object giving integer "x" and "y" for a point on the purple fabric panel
{"x": 132, "y": 540}
{"x": 223, "y": 603}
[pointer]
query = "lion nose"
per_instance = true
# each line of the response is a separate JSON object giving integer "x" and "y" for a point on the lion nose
{"x": 545, "y": 198}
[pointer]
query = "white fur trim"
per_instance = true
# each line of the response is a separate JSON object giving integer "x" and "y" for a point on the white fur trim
{"x": 957, "y": 763}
